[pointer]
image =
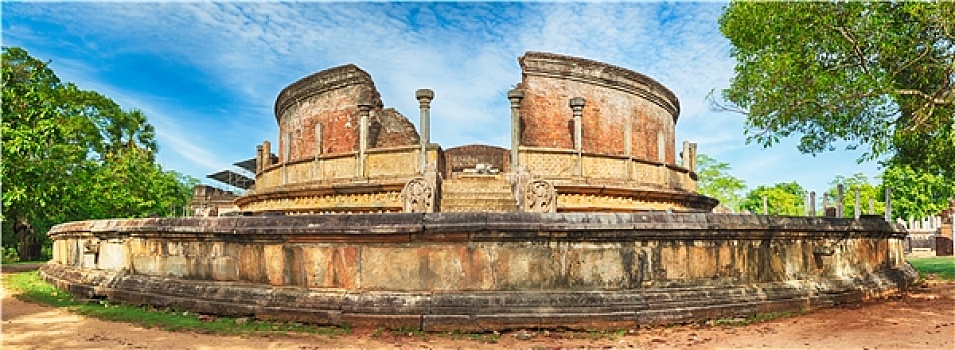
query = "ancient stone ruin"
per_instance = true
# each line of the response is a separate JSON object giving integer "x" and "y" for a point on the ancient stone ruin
{"x": 586, "y": 221}
{"x": 586, "y": 136}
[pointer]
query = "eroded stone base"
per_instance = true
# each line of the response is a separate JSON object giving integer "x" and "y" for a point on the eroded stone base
{"x": 475, "y": 311}
{"x": 483, "y": 271}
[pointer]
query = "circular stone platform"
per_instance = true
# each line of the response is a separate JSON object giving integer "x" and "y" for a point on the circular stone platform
{"x": 483, "y": 271}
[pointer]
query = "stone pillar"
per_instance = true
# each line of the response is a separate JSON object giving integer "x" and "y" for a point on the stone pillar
{"x": 424, "y": 97}
{"x": 259, "y": 160}
{"x": 871, "y": 206}
{"x": 266, "y": 154}
{"x": 812, "y": 203}
{"x": 858, "y": 211}
{"x": 364, "y": 107}
{"x": 689, "y": 156}
{"x": 888, "y": 204}
{"x": 515, "y": 96}
{"x": 841, "y": 196}
{"x": 577, "y": 104}
{"x": 316, "y": 172}
{"x": 286, "y": 150}
{"x": 765, "y": 206}
{"x": 806, "y": 205}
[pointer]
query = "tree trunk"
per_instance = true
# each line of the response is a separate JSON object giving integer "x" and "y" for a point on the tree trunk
{"x": 28, "y": 246}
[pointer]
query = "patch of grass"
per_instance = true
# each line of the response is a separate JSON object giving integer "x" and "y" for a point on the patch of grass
{"x": 757, "y": 318}
{"x": 409, "y": 331}
{"x": 606, "y": 334}
{"x": 28, "y": 286}
{"x": 941, "y": 267}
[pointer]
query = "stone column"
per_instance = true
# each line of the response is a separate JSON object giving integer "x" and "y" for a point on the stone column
{"x": 316, "y": 172}
{"x": 812, "y": 203}
{"x": 765, "y": 206}
{"x": 841, "y": 196}
{"x": 888, "y": 204}
{"x": 577, "y": 104}
{"x": 259, "y": 160}
{"x": 689, "y": 156}
{"x": 806, "y": 205}
{"x": 266, "y": 154}
{"x": 858, "y": 211}
{"x": 286, "y": 155}
{"x": 515, "y": 96}
{"x": 364, "y": 107}
{"x": 424, "y": 97}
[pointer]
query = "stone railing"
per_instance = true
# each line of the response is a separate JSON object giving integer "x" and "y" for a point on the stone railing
{"x": 397, "y": 162}
{"x": 557, "y": 164}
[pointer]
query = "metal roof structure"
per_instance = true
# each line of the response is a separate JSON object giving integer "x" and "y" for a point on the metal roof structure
{"x": 234, "y": 179}
{"x": 249, "y": 164}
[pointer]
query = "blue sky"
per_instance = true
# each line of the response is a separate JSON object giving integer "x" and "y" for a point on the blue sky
{"x": 207, "y": 74}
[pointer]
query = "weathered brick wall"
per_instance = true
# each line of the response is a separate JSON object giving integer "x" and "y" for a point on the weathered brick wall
{"x": 331, "y": 98}
{"x": 391, "y": 129}
{"x": 615, "y": 96}
{"x": 465, "y": 157}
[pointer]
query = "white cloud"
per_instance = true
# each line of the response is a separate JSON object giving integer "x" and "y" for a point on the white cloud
{"x": 466, "y": 52}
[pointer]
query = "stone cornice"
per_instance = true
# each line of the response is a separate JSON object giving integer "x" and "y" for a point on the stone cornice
{"x": 496, "y": 226}
{"x": 602, "y": 74}
{"x": 321, "y": 82}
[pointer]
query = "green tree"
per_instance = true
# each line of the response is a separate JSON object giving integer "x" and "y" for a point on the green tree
{"x": 714, "y": 180}
{"x": 70, "y": 154}
{"x": 781, "y": 199}
{"x": 866, "y": 190}
{"x": 873, "y": 74}
{"x": 915, "y": 194}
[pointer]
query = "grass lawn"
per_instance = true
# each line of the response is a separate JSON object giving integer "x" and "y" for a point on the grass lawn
{"x": 942, "y": 267}
{"x": 28, "y": 286}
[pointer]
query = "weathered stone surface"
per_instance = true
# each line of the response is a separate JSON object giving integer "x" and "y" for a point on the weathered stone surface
{"x": 480, "y": 271}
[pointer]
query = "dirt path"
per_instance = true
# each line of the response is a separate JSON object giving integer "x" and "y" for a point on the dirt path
{"x": 923, "y": 319}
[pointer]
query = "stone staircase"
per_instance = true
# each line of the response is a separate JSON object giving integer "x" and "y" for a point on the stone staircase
{"x": 485, "y": 193}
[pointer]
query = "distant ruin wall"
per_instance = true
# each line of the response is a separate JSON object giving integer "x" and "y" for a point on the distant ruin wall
{"x": 483, "y": 271}
{"x": 467, "y": 157}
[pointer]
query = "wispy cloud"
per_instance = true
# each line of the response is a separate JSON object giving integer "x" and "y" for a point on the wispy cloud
{"x": 207, "y": 73}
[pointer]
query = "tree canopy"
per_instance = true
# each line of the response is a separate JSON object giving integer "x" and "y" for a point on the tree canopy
{"x": 915, "y": 194}
{"x": 875, "y": 74}
{"x": 71, "y": 154}
{"x": 781, "y": 199}
{"x": 714, "y": 180}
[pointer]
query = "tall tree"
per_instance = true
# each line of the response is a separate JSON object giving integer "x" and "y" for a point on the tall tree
{"x": 915, "y": 194}
{"x": 873, "y": 74}
{"x": 781, "y": 199}
{"x": 714, "y": 180}
{"x": 71, "y": 154}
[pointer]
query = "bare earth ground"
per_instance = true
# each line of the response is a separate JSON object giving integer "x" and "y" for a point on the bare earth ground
{"x": 923, "y": 318}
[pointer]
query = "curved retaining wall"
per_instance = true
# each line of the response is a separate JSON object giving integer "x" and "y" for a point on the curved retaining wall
{"x": 482, "y": 271}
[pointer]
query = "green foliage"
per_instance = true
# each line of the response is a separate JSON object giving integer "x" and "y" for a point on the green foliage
{"x": 71, "y": 154}
{"x": 27, "y": 286}
{"x": 866, "y": 190}
{"x": 915, "y": 194}
{"x": 781, "y": 199}
{"x": 875, "y": 74}
{"x": 942, "y": 267}
{"x": 714, "y": 180}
